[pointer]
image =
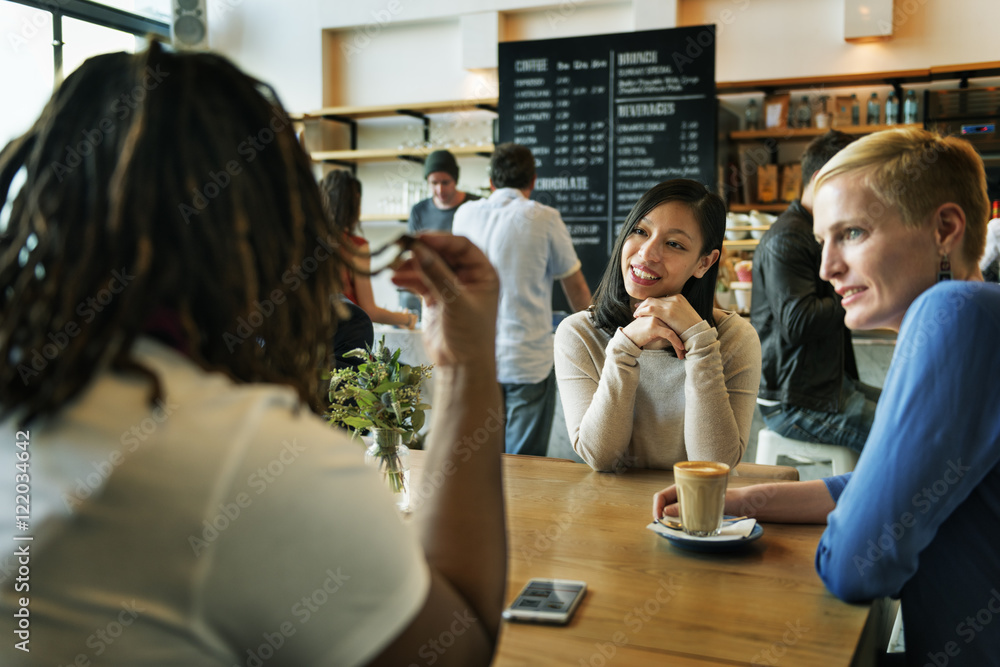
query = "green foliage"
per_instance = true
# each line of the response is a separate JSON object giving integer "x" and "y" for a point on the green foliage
{"x": 380, "y": 393}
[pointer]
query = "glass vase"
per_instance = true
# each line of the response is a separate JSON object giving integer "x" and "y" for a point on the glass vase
{"x": 391, "y": 458}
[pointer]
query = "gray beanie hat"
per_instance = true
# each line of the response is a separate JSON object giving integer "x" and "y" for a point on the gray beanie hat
{"x": 441, "y": 161}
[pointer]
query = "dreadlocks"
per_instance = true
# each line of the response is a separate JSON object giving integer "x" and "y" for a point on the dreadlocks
{"x": 161, "y": 184}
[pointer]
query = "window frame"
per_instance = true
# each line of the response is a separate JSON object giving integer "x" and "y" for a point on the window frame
{"x": 92, "y": 12}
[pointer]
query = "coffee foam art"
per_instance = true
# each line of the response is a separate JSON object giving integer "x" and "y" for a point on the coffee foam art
{"x": 702, "y": 468}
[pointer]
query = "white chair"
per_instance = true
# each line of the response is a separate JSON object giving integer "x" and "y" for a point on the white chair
{"x": 771, "y": 445}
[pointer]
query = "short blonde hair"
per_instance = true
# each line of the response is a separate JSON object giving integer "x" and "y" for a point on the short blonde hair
{"x": 914, "y": 171}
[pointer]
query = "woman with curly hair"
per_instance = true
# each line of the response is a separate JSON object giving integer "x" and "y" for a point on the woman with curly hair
{"x": 168, "y": 272}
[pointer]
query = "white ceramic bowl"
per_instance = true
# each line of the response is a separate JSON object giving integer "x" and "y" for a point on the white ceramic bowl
{"x": 758, "y": 219}
{"x": 725, "y": 299}
{"x": 737, "y": 220}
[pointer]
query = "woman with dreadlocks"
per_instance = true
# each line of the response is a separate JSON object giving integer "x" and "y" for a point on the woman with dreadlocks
{"x": 342, "y": 199}
{"x": 167, "y": 274}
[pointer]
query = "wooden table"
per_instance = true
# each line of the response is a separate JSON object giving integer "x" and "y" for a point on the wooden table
{"x": 648, "y": 602}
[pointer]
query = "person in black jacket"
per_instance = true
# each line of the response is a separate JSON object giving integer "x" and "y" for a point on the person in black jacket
{"x": 353, "y": 332}
{"x": 809, "y": 387}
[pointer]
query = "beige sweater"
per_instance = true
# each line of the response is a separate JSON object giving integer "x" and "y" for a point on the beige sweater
{"x": 623, "y": 413}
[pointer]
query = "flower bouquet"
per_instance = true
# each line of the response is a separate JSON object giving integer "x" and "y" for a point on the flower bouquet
{"x": 381, "y": 395}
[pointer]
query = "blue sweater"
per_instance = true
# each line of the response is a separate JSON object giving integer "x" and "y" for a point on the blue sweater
{"x": 920, "y": 518}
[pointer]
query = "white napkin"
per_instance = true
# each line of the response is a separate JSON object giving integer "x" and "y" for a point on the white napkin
{"x": 729, "y": 532}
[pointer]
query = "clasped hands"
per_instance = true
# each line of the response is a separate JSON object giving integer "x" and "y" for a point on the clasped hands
{"x": 659, "y": 322}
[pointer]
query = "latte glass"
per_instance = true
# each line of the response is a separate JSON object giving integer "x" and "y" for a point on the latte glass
{"x": 701, "y": 492}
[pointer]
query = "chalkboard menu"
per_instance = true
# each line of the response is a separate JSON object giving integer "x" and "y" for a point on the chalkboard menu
{"x": 607, "y": 117}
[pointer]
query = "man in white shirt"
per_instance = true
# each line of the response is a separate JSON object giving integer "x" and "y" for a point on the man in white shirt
{"x": 529, "y": 245}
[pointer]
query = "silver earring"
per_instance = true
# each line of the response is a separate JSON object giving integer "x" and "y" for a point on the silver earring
{"x": 944, "y": 271}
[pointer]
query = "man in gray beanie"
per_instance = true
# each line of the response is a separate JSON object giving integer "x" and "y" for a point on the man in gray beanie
{"x": 436, "y": 212}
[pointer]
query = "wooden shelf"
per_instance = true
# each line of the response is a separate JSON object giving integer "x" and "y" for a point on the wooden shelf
{"x": 746, "y": 244}
{"x": 792, "y": 134}
{"x": 385, "y": 217}
{"x": 967, "y": 70}
{"x": 773, "y": 207}
{"x": 420, "y": 110}
{"x": 383, "y": 154}
{"x": 386, "y": 110}
{"x": 743, "y": 244}
{"x": 891, "y": 77}
{"x": 833, "y": 81}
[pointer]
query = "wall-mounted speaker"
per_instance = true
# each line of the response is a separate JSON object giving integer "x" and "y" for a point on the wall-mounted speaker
{"x": 189, "y": 27}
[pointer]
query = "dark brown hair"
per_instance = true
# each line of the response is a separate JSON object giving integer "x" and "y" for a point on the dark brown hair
{"x": 342, "y": 200}
{"x": 512, "y": 166}
{"x": 181, "y": 176}
{"x": 820, "y": 150}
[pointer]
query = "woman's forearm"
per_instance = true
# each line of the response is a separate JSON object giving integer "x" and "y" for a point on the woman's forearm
{"x": 599, "y": 413}
{"x": 598, "y": 401}
{"x": 458, "y": 505}
{"x": 402, "y": 318}
{"x": 461, "y": 519}
{"x": 366, "y": 299}
{"x": 713, "y": 429}
{"x": 720, "y": 392}
{"x": 796, "y": 502}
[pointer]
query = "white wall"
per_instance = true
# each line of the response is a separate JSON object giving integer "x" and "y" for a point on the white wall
{"x": 791, "y": 38}
{"x": 415, "y": 62}
{"x": 569, "y": 20}
{"x": 279, "y": 43}
{"x": 340, "y": 14}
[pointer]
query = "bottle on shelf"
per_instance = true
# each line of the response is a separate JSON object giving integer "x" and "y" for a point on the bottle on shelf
{"x": 803, "y": 114}
{"x": 891, "y": 108}
{"x": 910, "y": 107}
{"x": 752, "y": 115}
{"x": 874, "y": 110}
{"x": 855, "y": 110}
{"x": 823, "y": 116}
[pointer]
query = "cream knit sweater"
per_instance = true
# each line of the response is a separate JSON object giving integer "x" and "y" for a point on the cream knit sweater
{"x": 629, "y": 407}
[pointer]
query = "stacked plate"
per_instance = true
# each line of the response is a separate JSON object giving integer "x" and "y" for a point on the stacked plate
{"x": 737, "y": 220}
{"x": 758, "y": 219}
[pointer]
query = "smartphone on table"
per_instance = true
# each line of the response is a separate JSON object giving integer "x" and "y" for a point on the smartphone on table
{"x": 546, "y": 601}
